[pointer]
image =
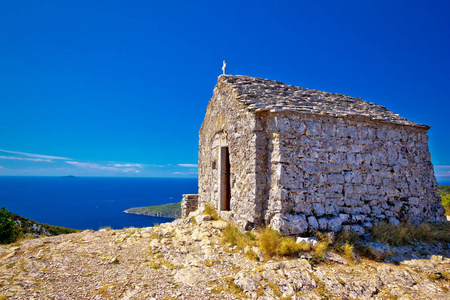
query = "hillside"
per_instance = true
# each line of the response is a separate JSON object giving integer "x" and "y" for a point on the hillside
{"x": 187, "y": 259}
{"x": 13, "y": 227}
{"x": 171, "y": 210}
{"x": 28, "y": 226}
{"x": 444, "y": 191}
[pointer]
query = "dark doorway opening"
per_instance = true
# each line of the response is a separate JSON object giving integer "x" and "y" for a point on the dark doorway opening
{"x": 225, "y": 185}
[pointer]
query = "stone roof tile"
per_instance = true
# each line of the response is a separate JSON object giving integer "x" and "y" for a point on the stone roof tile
{"x": 259, "y": 94}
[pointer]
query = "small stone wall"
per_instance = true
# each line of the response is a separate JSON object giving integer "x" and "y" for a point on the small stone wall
{"x": 189, "y": 204}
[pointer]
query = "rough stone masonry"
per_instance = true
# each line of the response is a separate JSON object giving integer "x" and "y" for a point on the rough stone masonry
{"x": 300, "y": 160}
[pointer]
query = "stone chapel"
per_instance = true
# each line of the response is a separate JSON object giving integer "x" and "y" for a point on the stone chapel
{"x": 301, "y": 160}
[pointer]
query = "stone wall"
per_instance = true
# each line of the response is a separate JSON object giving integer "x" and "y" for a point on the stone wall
{"x": 328, "y": 173}
{"x": 303, "y": 160}
{"x": 228, "y": 123}
{"x": 188, "y": 204}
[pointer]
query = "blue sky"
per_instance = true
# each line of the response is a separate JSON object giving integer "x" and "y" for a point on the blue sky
{"x": 120, "y": 88}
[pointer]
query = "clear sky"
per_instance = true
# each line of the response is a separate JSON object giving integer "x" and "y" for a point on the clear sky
{"x": 120, "y": 88}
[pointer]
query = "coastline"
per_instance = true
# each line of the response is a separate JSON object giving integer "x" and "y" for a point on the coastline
{"x": 169, "y": 210}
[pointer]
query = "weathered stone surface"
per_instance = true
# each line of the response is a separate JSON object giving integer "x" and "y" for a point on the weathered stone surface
{"x": 331, "y": 159}
{"x": 312, "y": 241}
{"x": 188, "y": 204}
{"x": 179, "y": 260}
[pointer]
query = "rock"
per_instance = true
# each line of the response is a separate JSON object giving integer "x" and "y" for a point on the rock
{"x": 313, "y": 223}
{"x": 354, "y": 228}
{"x": 11, "y": 254}
{"x": 189, "y": 275}
{"x": 312, "y": 241}
{"x": 394, "y": 221}
{"x": 258, "y": 253}
{"x": 344, "y": 218}
{"x": 323, "y": 223}
{"x": 297, "y": 224}
{"x": 333, "y": 257}
{"x": 247, "y": 282}
{"x": 279, "y": 223}
{"x": 334, "y": 224}
{"x": 377, "y": 249}
{"x": 201, "y": 218}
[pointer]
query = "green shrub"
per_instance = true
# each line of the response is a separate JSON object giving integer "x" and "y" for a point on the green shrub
{"x": 444, "y": 190}
{"x": 8, "y": 229}
{"x": 446, "y": 204}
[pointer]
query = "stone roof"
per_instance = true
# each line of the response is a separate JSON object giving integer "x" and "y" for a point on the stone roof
{"x": 259, "y": 94}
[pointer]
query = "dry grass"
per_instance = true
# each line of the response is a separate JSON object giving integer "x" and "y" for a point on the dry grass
{"x": 104, "y": 291}
{"x": 404, "y": 233}
{"x": 275, "y": 289}
{"x": 272, "y": 244}
{"x": 233, "y": 236}
{"x": 289, "y": 247}
{"x": 320, "y": 250}
{"x": 234, "y": 288}
{"x": 209, "y": 210}
{"x": 344, "y": 244}
{"x": 250, "y": 254}
{"x": 268, "y": 241}
{"x": 347, "y": 250}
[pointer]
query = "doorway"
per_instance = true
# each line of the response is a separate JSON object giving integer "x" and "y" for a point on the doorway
{"x": 224, "y": 179}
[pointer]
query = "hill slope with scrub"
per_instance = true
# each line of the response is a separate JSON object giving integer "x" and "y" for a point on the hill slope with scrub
{"x": 170, "y": 210}
{"x": 444, "y": 191}
{"x": 14, "y": 227}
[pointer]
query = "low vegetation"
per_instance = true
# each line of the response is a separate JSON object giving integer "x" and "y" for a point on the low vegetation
{"x": 269, "y": 241}
{"x": 271, "y": 244}
{"x": 402, "y": 234}
{"x": 444, "y": 191}
{"x": 446, "y": 204}
{"x": 233, "y": 236}
{"x": 8, "y": 229}
{"x": 14, "y": 227}
{"x": 209, "y": 210}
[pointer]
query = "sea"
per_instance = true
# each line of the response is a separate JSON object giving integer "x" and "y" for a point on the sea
{"x": 90, "y": 202}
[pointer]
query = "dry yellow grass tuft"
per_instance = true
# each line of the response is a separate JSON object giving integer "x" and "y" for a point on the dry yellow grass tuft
{"x": 405, "y": 233}
{"x": 233, "y": 236}
{"x": 209, "y": 210}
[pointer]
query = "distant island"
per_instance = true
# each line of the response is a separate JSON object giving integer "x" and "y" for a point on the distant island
{"x": 68, "y": 176}
{"x": 170, "y": 210}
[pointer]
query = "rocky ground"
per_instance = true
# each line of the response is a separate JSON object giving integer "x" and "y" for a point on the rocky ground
{"x": 183, "y": 260}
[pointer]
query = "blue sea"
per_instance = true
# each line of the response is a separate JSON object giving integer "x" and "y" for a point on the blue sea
{"x": 90, "y": 202}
